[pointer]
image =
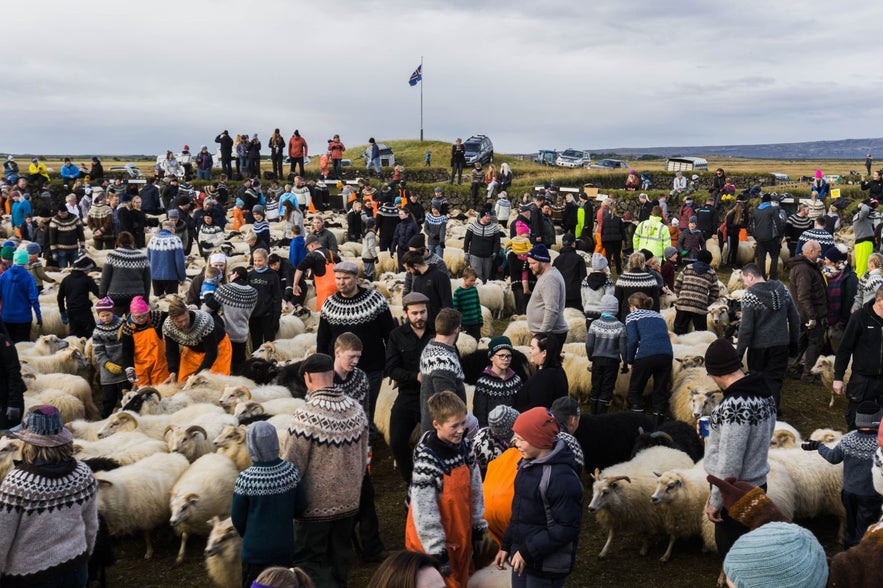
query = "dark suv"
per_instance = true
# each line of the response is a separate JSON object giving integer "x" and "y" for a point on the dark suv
{"x": 479, "y": 148}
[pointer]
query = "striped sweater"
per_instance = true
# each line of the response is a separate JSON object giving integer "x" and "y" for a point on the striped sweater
{"x": 66, "y": 233}
{"x": 466, "y": 301}
{"x": 696, "y": 288}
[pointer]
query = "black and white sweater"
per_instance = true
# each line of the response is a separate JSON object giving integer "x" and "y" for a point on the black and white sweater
{"x": 355, "y": 386}
{"x": 66, "y": 233}
{"x": 126, "y": 273}
{"x": 607, "y": 338}
{"x": 634, "y": 281}
{"x": 236, "y": 302}
{"x": 367, "y": 316}
{"x": 492, "y": 391}
{"x": 440, "y": 369}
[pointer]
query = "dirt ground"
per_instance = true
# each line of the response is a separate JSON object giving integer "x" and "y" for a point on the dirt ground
{"x": 805, "y": 407}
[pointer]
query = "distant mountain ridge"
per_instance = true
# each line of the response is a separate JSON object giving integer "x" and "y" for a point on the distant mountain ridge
{"x": 854, "y": 149}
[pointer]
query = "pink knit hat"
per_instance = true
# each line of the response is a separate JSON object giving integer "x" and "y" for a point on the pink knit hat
{"x": 138, "y": 306}
{"x": 818, "y": 173}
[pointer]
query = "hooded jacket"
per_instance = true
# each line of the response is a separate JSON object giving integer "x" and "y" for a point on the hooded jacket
{"x": 862, "y": 224}
{"x": 18, "y": 294}
{"x": 769, "y": 318}
{"x": 767, "y": 223}
{"x": 808, "y": 289}
{"x": 863, "y": 343}
{"x": 652, "y": 235}
{"x": 592, "y": 289}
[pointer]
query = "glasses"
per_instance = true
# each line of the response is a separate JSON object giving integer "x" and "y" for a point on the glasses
{"x": 504, "y": 357}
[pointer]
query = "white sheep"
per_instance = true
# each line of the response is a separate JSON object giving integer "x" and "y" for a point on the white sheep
{"x": 10, "y": 452}
{"x": 735, "y": 281}
{"x": 487, "y": 322}
{"x": 785, "y": 436}
{"x": 233, "y": 394}
{"x": 466, "y": 344}
{"x": 829, "y": 437}
{"x": 195, "y": 440}
{"x": 73, "y": 385}
{"x": 289, "y": 326}
{"x": 576, "y": 326}
{"x": 620, "y": 494}
{"x": 455, "y": 260}
{"x": 680, "y": 496}
{"x": 695, "y": 339}
{"x": 231, "y": 442}
{"x": 386, "y": 397}
{"x": 209, "y": 379}
{"x": 154, "y": 425}
{"x": 70, "y": 407}
{"x": 250, "y": 408}
{"x": 44, "y": 345}
{"x": 124, "y": 448}
{"x": 493, "y": 298}
{"x": 689, "y": 383}
{"x": 152, "y": 402}
{"x": 67, "y": 361}
{"x": 490, "y": 577}
{"x": 203, "y": 491}
{"x": 135, "y": 497}
{"x": 818, "y": 483}
{"x": 824, "y": 369}
{"x": 280, "y": 350}
{"x": 519, "y": 333}
{"x": 574, "y": 349}
{"x": 223, "y": 559}
{"x": 579, "y": 378}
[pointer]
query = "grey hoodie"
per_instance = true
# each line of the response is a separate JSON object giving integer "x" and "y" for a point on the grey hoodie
{"x": 262, "y": 442}
{"x": 769, "y": 317}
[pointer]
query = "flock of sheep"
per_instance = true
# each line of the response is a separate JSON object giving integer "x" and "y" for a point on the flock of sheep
{"x": 171, "y": 453}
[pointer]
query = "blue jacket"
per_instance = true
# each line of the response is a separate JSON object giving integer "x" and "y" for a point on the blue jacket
{"x": 18, "y": 293}
{"x": 647, "y": 335}
{"x": 296, "y": 251}
{"x": 549, "y": 550}
{"x": 70, "y": 172}
{"x": 20, "y": 210}
{"x": 165, "y": 253}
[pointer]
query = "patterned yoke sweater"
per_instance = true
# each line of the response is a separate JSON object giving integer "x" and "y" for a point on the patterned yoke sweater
{"x": 441, "y": 370}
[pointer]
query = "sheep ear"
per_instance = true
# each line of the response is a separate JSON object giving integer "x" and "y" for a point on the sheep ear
{"x": 679, "y": 360}
{"x": 657, "y": 474}
{"x": 700, "y": 361}
{"x": 104, "y": 483}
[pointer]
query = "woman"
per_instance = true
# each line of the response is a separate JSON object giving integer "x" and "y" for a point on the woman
{"x": 171, "y": 167}
{"x": 595, "y": 286}
{"x": 407, "y": 569}
{"x": 406, "y": 229}
{"x": 48, "y": 509}
{"x": 649, "y": 355}
{"x": 194, "y": 342}
{"x": 540, "y": 541}
{"x": 819, "y": 186}
{"x": 612, "y": 233}
{"x": 632, "y": 181}
{"x": 491, "y": 180}
{"x": 209, "y": 236}
{"x": 498, "y": 384}
{"x": 505, "y": 177}
{"x": 144, "y": 352}
{"x": 636, "y": 279}
{"x": 868, "y": 283}
{"x": 217, "y": 260}
{"x": 132, "y": 219}
{"x": 734, "y": 222}
{"x": 718, "y": 181}
{"x": 458, "y": 160}
{"x": 292, "y": 216}
{"x": 279, "y": 577}
{"x": 550, "y": 381}
{"x": 125, "y": 275}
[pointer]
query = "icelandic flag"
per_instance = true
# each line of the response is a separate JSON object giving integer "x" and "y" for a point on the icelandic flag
{"x": 417, "y": 76}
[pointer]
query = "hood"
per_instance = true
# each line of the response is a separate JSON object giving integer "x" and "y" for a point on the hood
{"x": 771, "y": 295}
{"x": 596, "y": 280}
{"x": 561, "y": 453}
{"x": 800, "y": 260}
{"x": 489, "y": 371}
{"x": 700, "y": 267}
{"x": 262, "y": 442}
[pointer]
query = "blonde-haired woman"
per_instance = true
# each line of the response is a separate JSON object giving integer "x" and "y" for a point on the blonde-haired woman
{"x": 490, "y": 178}
{"x": 504, "y": 178}
{"x": 735, "y": 221}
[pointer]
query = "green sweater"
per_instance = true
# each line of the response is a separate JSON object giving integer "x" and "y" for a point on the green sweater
{"x": 467, "y": 302}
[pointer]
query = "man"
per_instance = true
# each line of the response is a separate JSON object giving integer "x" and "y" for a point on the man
{"x": 861, "y": 343}
{"x": 545, "y": 309}
{"x": 707, "y": 220}
{"x": 679, "y": 184}
{"x": 373, "y": 159}
{"x": 768, "y": 231}
{"x": 645, "y": 208}
{"x": 863, "y": 230}
{"x": 320, "y": 263}
{"x": 38, "y": 173}
{"x": 226, "y": 146}
{"x": 204, "y": 163}
{"x": 301, "y": 193}
{"x": 150, "y": 202}
{"x": 573, "y": 269}
{"x": 696, "y": 288}
{"x": 869, "y": 161}
{"x": 481, "y": 244}
{"x": 769, "y": 329}
{"x": 165, "y": 253}
{"x": 297, "y": 151}
{"x": 418, "y": 244}
{"x": 807, "y": 286}
{"x": 740, "y": 429}
{"x": 326, "y": 237}
{"x": 652, "y": 235}
{"x": 585, "y": 223}
{"x": 536, "y": 218}
{"x": 66, "y": 237}
{"x": 795, "y": 225}
{"x": 69, "y": 172}
{"x": 440, "y": 368}
{"x": 817, "y": 233}
{"x": 406, "y": 344}
{"x": 96, "y": 171}
{"x": 524, "y": 212}
{"x": 328, "y": 443}
{"x": 363, "y": 312}
{"x": 429, "y": 281}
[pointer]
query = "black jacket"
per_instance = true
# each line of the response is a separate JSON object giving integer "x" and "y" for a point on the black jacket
{"x": 226, "y": 142}
{"x": 74, "y": 292}
{"x": 612, "y": 229}
{"x": 403, "y": 357}
{"x": 435, "y": 285}
{"x": 568, "y": 217}
{"x": 768, "y": 224}
{"x": 150, "y": 199}
{"x": 269, "y": 293}
{"x": 863, "y": 343}
{"x": 706, "y": 221}
{"x": 573, "y": 268}
{"x": 12, "y": 387}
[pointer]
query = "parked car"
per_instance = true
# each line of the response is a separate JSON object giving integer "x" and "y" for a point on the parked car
{"x": 546, "y": 157}
{"x": 572, "y": 158}
{"x": 125, "y": 171}
{"x": 479, "y": 148}
{"x": 609, "y": 164}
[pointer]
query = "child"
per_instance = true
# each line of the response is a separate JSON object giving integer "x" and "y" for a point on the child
{"x": 209, "y": 236}
{"x": 297, "y": 250}
{"x": 261, "y": 228}
{"x": 498, "y": 384}
{"x": 436, "y": 226}
{"x": 108, "y": 351}
{"x": 503, "y": 209}
{"x": 427, "y": 159}
{"x": 445, "y": 515}
{"x": 369, "y": 249}
{"x": 266, "y": 498}
{"x": 691, "y": 241}
{"x": 606, "y": 347}
{"x": 74, "y": 292}
{"x": 467, "y": 302}
{"x": 238, "y": 215}
{"x": 492, "y": 440}
{"x": 209, "y": 283}
{"x": 669, "y": 267}
{"x": 35, "y": 266}
{"x": 856, "y": 451}
{"x": 674, "y": 231}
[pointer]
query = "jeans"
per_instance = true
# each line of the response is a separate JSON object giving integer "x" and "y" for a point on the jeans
{"x": 438, "y": 250}
{"x": 203, "y": 174}
{"x": 375, "y": 163}
{"x": 457, "y": 170}
{"x": 65, "y": 257}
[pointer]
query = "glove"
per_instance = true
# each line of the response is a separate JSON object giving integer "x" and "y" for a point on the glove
{"x": 64, "y": 319}
{"x": 113, "y": 368}
{"x": 683, "y": 253}
{"x": 13, "y": 415}
{"x": 54, "y": 256}
{"x": 477, "y": 542}
{"x": 40, "y": 322}
{"x": 131, "y": 375}
{"x": 810, "y": 445}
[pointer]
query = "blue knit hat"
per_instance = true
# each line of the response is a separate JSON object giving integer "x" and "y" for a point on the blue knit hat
{"x": 43, "y": 427}
{"x": 498, "y": 343}
{"x": 783, "y": 555}
{"x": 540, "y": 253}
{"x": 33, "y": 249}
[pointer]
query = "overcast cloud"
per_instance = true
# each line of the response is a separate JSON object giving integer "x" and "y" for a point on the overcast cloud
{"x": 141, "y": 77}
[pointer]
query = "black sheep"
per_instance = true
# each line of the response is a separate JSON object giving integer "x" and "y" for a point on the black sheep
{"x": 674, "y": 434}
{"x": 289, "y": 377}
{"x": 607, "y": 439}
{"x": 260, "y": 371}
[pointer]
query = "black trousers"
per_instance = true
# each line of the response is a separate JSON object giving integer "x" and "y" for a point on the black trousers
{"x": 604, "y": 372}
{"x": 18, "y": 331}
{"x": 277, "y": 159}
{"x": 733, "y": 249}
{"x": 238, "y": 356}
{"x": 323, "y": 549}
{"x": 110, "y": 395}
{"x": 473, "y": 330}
{"x": 226, "y": 166}
{"x": 81, "y": 323}
{"x": 861, "y": 389}
{"x": 772, "y": 248}
{"x": 299, "y": 162}
{"x": 683, "y": 319}
{"x": 614, "y": 254}
{"x": 262, "y": 328}
{"x": 657, "y": 367}
{"x": 811, "y": 342}
{"x": 367, "y": 537}
{"x": 457, "y": 170}
{"x": 861, "y": 513}
{"x": 773, "y": 362}
{"x": 163, "y": 287}
{"x": 728, "y": 531}
{"x": 404, "y": 416}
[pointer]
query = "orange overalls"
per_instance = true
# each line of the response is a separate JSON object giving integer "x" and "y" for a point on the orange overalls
{"x": 499, "y": 490}
{"x": 191, "y": 360}
{"x": 150, "y": 357}
{"x": 325, "y": 284}
{"x": 455, "y": 512}
{"x": 238, "y": 218}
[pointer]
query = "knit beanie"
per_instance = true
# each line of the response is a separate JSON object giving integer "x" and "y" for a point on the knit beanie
{"x": 104, "y": 304}
{"x": 746, "y": 503}
{"x": 783, "y": 555}
{"x": 217, "y": 258}
{"x": 138, "y": 305}
{"x": 669, "y": 251}
{"x": 867, "y": 415}
{"x": 498, "y": 343}
{"x": 538, "y": 427}
{"x": 521, "y": 228}
{"x": 693, "y": 219}
{"x": 20, "y": 257}
{"x": 599, "y": 262}
{"x": 7, "y": 253}
{"x": 435, "y": 203}
{"x": 501, "y": 419}
{"x": 540, "y": 253}
{"x": 609, "y": 304}
{"x": 721, "y": 358}
{"x": 418, "y": 241}
{"x": 704, "y": 256}
{"x": 257, "y": 209}
{"x": 262, "y": 441}
{"x": 34, "y": 249}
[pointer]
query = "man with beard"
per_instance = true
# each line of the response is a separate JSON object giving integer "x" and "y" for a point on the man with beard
{"x": 403, "y": 351}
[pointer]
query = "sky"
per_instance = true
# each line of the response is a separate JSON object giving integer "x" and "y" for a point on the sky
{"x": 137, "y": 77}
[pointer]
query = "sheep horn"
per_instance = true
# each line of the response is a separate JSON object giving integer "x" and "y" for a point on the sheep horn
{"x": 167, "y": 429}
{"x": 149, "y": 391}
{"x": 615, "y": 479}
{"x": 197, "y": 429}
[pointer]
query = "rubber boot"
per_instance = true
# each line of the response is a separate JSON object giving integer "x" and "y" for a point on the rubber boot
{"x": 658, "y": 419}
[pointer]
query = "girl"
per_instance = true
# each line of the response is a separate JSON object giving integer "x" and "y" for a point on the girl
{"x": 108, "y": 352}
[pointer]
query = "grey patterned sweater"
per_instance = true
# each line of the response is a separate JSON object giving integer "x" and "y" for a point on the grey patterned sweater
{"x": 856, "y": 451}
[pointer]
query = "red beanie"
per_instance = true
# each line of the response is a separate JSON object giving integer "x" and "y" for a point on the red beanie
{"x": 538, "y": 427}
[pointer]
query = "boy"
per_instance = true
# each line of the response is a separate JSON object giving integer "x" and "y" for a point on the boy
{"x": 261, "y": 228}
{"x": 446, "y": 499}
{"x": 606, "y": 346}
{"x": 209, "y": 283}
{"x": 466, "y": 300}
{"x": 238, "y": 215}
{"x": 856, "y": 451}
{"x": 692, "y": 241}
{"x": 74, "y": 294}
{"x": 669, "y": 266}
{"x": 108, "y": 351}
{"x": 369, "y": 249}
{"x": 35, "y": 266}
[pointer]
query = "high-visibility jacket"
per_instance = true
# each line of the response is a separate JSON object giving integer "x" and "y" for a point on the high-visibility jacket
{"x": 653, "y": 236}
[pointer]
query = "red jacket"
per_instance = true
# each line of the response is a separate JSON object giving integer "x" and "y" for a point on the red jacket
{"x": 336, "y": 148}
{"x": 297, "y": 147}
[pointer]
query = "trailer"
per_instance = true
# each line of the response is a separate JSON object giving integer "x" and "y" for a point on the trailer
{"x": 686, "y": 164}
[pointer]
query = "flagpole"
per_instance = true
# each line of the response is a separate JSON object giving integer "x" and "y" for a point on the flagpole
{"x": 421, "y": 98}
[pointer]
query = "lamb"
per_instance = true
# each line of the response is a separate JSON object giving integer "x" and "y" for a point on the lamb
{"x": 73, "y": 385}
{"x": 222, "y": 554}
{"x": 124, "y": 448}
{"x": 66, "y": 361}
{"x": 231, "y": 443}
{"x": 608, "y": 439}
{"x": 135, "y": 497}
{"x": 233, "y": 394}
{"x": 280, "y": 350}
{"x": 696, "y": 339}
{"x": 45, "y": 345}
{"x": 785, "y": 436}
{"x": 824, "y": 369}
{"x": 70, "y": 407}
{"x": 204, "y": 490}
{"x": 718, "y": 317}
{"x": 680, "y": 496}
{"x": 619, "y": 494}
{"x": 704, "y": 402}
{"x": 818, "y": 481}
{"x": 735, "y": 281}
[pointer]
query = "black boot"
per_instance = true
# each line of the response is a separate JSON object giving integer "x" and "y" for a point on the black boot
{"x": 594, "y": 407}
{"x": 658, "y": 419}
{"x": 602, "y": 407}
